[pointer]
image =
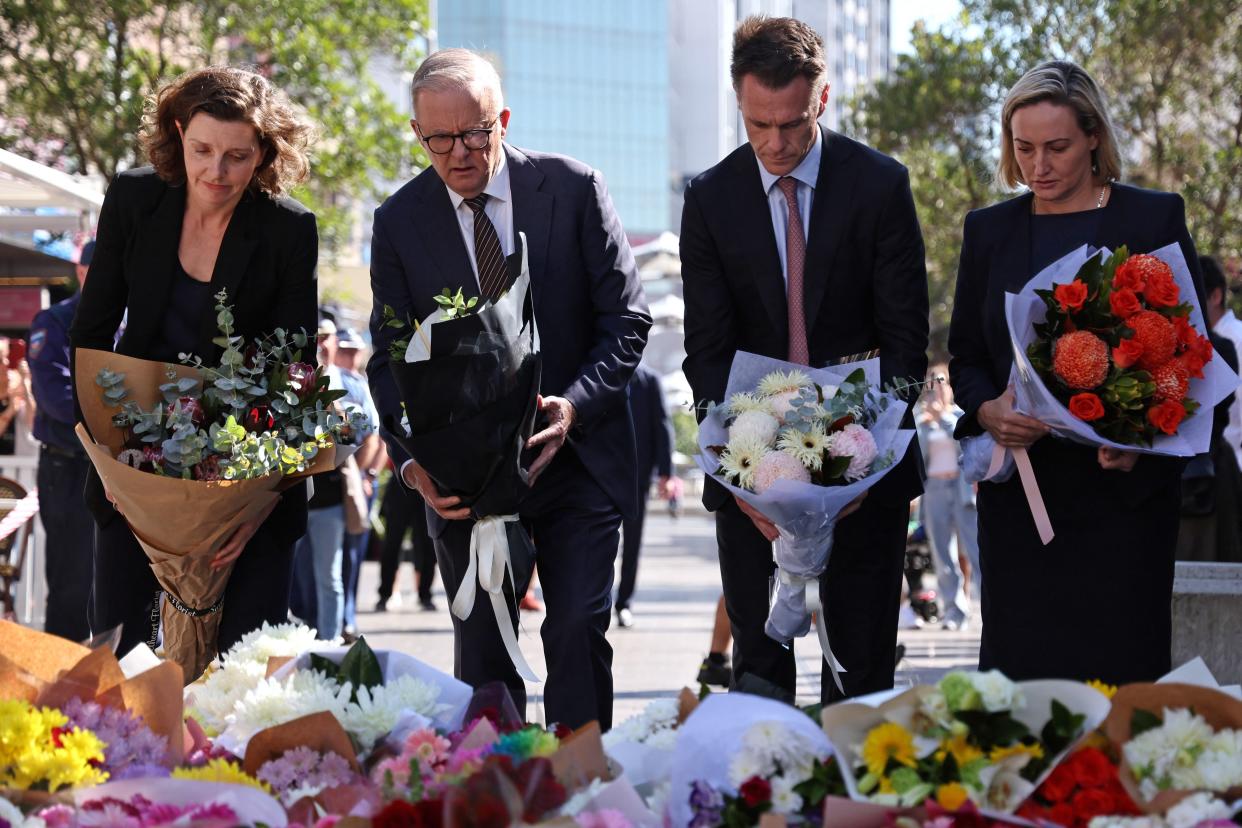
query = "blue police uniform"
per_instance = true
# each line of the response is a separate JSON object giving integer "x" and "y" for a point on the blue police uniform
{"x": 62, "y": 474}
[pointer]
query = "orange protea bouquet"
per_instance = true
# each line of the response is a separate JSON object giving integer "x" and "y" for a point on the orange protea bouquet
{"x": 1118, "y": 347}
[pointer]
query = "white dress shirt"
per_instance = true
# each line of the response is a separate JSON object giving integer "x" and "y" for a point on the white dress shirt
{"x": 1230, "y": 327}
{"x": 499, "y": 210}
{"x": 806, "y": 174}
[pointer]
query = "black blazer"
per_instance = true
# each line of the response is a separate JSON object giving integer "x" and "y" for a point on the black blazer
{"x": 653, "y": 431}
{"x": 865, "y": 277}
{"x": 266, "y": 263}
{"x": 996, "y": 258}
{"x": 589, "y": 304}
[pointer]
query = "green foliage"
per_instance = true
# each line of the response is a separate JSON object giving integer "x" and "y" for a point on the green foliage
{"x": 1142, "y": 721}
{"x": 454, "y": 305}
{"x": 360, "y": 668}
{"x": 685, "y": 433}
{"x": 1171, "y": 71}
{"x": 86, "y": 69}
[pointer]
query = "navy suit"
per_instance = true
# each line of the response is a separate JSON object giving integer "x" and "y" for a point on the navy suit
{"x": 653, "y": 433}
{"x": 593, "y": 321}
{"x": 865, "y": 289}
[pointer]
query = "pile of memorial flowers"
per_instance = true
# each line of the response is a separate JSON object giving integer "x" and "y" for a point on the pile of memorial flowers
{"x": 378, "y": 738}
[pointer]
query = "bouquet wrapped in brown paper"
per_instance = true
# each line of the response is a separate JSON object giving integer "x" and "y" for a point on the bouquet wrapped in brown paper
{"x": 188, "y": 453}
{"x": 1175, "y": 739}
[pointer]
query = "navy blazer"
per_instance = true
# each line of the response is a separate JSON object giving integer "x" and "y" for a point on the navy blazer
{"x": 653, "y": 431}
{"x": 865, "y": 276}
{"x": 995, "y": 259}
{"x": 266, "y": 263}
{"x": 589, "y": 305}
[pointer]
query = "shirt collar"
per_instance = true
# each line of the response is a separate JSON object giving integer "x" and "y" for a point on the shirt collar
{"x": 497, "y": 188}
{"x": 807, "y": 171}
{"x": 1227, "y": 319}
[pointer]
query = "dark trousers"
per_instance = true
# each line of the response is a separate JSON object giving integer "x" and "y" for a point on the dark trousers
{"x": 70, "y": 531}
{"x": 631, "y": 543}
{"x": 125, "y": 588}
{"x": 574, "y": 526}
{"x": 860, "y": 592}
{"x": 403, "y": 511}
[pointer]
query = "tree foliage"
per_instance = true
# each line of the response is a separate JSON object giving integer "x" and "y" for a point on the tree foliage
{"x": 76, "y": 76}
{"x": 1172, "y": 74}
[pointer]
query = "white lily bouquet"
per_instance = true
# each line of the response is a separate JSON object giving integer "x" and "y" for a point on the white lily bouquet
{"x": 799, "y": 445}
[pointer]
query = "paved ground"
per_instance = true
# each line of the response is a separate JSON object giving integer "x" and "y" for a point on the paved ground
{"x": 678, "y": 584}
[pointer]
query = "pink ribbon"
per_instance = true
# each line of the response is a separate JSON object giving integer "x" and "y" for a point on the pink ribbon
{"x": 1039, "y": 512}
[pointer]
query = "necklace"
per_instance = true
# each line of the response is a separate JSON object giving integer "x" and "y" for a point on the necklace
{"x": 1099, "y": 202}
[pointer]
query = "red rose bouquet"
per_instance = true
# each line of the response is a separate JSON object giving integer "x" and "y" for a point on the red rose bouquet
{"x": 1086, "y": 785}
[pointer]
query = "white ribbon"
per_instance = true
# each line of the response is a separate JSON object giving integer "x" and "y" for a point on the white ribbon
{"x": 489, "y": 561}
{"x": 810, "y": 587}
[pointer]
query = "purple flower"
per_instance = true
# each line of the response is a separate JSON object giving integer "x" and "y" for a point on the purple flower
{"x": 303, "y": 767}
{"x": 131, "y": 749}
{"x": 707, "y": 805}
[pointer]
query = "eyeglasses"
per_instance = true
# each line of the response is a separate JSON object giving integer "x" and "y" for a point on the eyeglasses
{"x": 473, "y": 139}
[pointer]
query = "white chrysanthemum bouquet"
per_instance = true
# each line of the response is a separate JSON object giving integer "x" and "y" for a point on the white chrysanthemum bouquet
{"x": 799, "y": 445}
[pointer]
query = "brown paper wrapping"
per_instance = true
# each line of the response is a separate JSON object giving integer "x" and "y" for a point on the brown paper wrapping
{"x": 50, "y": 671}
{"x": 581, "y": 759}
{"x": 180, "y": 524}
{"x": 1218, "y": 709}
{"x": 772, "y": 821}
{"x": 687, "y": 703}
{"x": 318, "y": 731}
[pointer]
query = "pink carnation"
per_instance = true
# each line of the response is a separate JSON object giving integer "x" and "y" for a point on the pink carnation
{"x": 777, "y": 465}
{"x": 856, "y": 443}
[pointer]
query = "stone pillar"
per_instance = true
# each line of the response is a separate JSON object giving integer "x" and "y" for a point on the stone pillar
{"x": 1207, "y": 617}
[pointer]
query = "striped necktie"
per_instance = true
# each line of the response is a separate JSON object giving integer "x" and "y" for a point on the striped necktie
{"x": 489, "y": 257}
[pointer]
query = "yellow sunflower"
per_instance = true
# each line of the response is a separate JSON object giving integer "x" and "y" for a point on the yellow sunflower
{"x": 1108, "y": 690}
{"x": 221, "y": 770}
{"x": 887, "y": 742}
{"x": 960, "y": 749}
{"x": 1035, "y": 751}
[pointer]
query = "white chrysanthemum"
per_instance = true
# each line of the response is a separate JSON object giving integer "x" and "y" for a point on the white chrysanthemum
{"x": 997, "y": 692}
{"x": 1195, "y": 809}
{"x": 739, "y": 460}
{"x": 1220, "y": 766}
{"x": 1165, "y": 756}
{"x": 656, "y": 719}
{"x": 757, "y": 426}
{"x": 271, "y": 641}
{"x": 779, "y": 465}
{"x": 784, "y": 800}
{"x": 778, "y": 382}
{"x": 663, "y": 739}
{"x": 213, "y": 700}
{"x": 856, "y": 443}
{"x": 276, "y": 701}
{"x": 744, "y": 766}
{"x": 378, "y": 709}
{"x": 807, "y": 446}
{"x": 742, "y": 403}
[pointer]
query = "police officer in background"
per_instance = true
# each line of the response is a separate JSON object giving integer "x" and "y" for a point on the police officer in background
{"x": 62, "y": 467}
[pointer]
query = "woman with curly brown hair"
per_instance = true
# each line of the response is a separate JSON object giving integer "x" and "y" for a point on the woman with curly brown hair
{"x": 209, "y": 214}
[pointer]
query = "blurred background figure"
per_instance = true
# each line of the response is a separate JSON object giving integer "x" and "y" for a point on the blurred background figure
{"x": 1210, "y": 528}
{"x": 404, "y": 514}
{"x": 361, "y": 478}
{"x": 17, "y": 406}
{"x": 318, "y": 596}
{"x": 948, "y": 503}
{"x": 716, "y": 669}
{"x": 62, "y": 467}
{"x": 653, "y": 439}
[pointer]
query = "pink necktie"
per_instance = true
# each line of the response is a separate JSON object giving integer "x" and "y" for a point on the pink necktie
{"x": 795, "y": 259}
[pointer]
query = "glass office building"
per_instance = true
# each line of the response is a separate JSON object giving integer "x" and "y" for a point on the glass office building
{"x": 589, "y": 80}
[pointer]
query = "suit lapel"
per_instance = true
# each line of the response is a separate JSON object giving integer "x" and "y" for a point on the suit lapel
{"x": 436, "y": 224}
{"x": 236, "y": 248}
{"x": 830, "y": 208}
{"x": 157, "y": 239}
{"x": 763, "y": 258}
{"x": 1013, "y": 254}
{"x": 532, "y": 210}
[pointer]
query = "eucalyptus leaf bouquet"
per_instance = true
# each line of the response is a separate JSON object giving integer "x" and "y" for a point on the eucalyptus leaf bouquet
{"x": 190, "y": 452}
{"x": 800, "y": 444}
{"x": 262, "y": 409}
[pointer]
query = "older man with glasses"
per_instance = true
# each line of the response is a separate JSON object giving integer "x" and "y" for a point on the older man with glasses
{"x": 453, "y": 226}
